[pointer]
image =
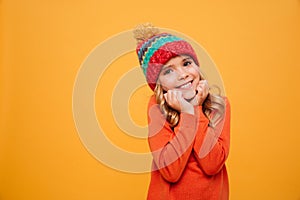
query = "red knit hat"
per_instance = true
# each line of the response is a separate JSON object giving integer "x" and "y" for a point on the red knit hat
{"x": 155, "y": 49}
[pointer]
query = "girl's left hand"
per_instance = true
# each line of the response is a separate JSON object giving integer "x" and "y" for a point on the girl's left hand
{"x": 203, "y": 90}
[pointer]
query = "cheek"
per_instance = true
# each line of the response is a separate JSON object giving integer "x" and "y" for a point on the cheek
{"x": 192, "y": 73}
{"x": 167, "y": 83}
{"x": 195, "y": 69}
{"x": 195, "y": 72}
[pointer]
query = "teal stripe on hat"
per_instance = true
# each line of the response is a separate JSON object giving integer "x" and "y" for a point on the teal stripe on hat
{"x": 155, "y": 46}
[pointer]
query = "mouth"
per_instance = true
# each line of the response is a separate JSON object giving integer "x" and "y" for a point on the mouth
{"x": 186, "y": 85}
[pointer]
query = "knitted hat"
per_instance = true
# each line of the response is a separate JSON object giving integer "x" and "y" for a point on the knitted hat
{"x": 155, "y": 49}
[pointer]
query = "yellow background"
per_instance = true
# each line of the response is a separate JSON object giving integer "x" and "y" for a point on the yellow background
{"x": 255, "y": 45}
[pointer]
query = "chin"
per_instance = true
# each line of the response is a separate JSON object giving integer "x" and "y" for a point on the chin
{"x": 188, "y": 95}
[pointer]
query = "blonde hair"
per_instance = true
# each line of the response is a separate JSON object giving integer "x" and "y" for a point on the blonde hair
{"x": 213, "y": 106}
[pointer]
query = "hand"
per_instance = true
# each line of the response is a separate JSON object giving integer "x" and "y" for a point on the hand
{"x": 202, "y": 92}
{"x": 175, "y": 99}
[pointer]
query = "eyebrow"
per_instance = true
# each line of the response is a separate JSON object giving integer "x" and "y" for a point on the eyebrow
{"x": 166, "y": 66}
{"x": 186, "y": 58}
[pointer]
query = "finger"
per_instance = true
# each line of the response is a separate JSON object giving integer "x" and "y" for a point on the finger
{"x": 200, "y": 96}
{"x": 173, "y": 99}
{"x": 204, "y": 83}
{"x": 178, "y": 94}
{"x": 172, "y": 96}
{"x": 166, "y": 97}
{"x": 200, "y": 90}
{"x": 204, "y": 86}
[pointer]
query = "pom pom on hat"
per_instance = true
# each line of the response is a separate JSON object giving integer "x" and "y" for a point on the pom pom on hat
{"x": 144, "y": 31}
{"x": 154, "y": 49}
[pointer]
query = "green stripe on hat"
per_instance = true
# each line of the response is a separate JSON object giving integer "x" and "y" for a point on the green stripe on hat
{"x": 154, "y": 47}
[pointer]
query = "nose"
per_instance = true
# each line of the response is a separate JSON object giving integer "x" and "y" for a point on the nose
{"x": 182, "y": 74}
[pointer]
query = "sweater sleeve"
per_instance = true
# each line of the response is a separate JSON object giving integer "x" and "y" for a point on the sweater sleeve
{"x": 211, "y": 145}
{"x": 170, "y": 149}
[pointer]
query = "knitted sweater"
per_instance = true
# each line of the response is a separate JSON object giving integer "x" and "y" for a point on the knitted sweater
{"x": 189, "y": 160}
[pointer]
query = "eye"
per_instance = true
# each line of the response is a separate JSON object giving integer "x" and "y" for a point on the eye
{"x": 187, "y": 63}
{"x": 167, "y": 71}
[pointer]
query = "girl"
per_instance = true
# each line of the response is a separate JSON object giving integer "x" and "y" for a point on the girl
{"x": 188, "y": 126}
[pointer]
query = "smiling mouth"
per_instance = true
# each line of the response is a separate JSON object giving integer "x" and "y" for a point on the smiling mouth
{"x": 185, "y": 85}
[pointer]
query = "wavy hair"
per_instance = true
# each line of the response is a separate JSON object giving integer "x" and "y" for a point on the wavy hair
{"x": 213, "y": 106}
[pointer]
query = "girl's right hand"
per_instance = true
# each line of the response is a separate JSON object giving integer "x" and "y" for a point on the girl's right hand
{"x": 175, "y": 99}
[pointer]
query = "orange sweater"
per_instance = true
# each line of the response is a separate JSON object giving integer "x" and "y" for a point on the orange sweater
{"x": 189, "y": 161}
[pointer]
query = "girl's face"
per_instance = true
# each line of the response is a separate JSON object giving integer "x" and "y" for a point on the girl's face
{"x": 180, "y": 73}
